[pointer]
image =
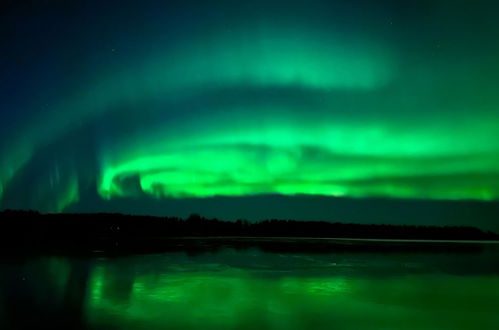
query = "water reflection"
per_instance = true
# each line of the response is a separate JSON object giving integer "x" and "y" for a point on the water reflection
{"x": 48, "y": 291}
{"x": 251, "y": 289}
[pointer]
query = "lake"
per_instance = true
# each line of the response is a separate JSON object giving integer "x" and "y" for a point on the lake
{"x": 257, "y": 286}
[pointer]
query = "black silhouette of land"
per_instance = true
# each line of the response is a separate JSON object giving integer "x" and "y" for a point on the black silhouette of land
{"x": 33, "y": 232}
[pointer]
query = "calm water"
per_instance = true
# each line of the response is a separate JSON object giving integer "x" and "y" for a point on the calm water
{"x": 253, "y": 289}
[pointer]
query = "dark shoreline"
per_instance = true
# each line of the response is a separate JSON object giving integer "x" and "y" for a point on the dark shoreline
{"x": 27, "y": 232}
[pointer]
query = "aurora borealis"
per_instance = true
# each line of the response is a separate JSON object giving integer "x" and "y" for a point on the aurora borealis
{"x": 186, "y": 100}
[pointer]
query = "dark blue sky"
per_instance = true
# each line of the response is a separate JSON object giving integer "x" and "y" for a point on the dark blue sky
{"x": 364, "y": 111}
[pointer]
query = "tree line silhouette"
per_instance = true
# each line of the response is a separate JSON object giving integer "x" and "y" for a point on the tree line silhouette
{"x": 29, "y": 230}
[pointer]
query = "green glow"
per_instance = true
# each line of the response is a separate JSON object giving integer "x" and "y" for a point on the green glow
{"x": 248, "y": 289}
{"x": 306, "y": 158}
{"x": 263, "y": 109}
{"x": 215, "y": 296}
{"x": 314, "y": 59}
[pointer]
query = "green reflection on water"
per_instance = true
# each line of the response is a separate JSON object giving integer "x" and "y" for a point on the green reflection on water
{"x": 212, "y": 296}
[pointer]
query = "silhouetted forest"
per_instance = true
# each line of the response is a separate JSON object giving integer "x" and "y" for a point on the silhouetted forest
{"x": 29, "y": 230}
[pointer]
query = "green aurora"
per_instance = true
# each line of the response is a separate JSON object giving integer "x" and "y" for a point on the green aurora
{"x": 295, "y": 105}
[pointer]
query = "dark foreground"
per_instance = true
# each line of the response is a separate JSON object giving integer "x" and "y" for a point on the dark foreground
{"x": 30, "y": 232}
{"x": 105, "y": 271}
{"x": 263, "y": 283}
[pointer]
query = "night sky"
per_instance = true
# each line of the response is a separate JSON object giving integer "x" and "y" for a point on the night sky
{"x": 355, "y": 111}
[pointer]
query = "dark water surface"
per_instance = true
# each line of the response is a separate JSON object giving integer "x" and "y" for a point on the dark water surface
{"x": 230, "y": 287}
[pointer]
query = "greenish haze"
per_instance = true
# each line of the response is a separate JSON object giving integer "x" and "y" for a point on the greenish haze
{"x": 303, "y": 154}
{"x": 314, "y": 60}
{"x": 248, "y": 289}
{"x": 231, "y": 299}
{"x": 199, "y": 99}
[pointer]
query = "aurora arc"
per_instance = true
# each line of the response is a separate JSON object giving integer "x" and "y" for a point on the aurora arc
{"x": 262, "y": 109}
